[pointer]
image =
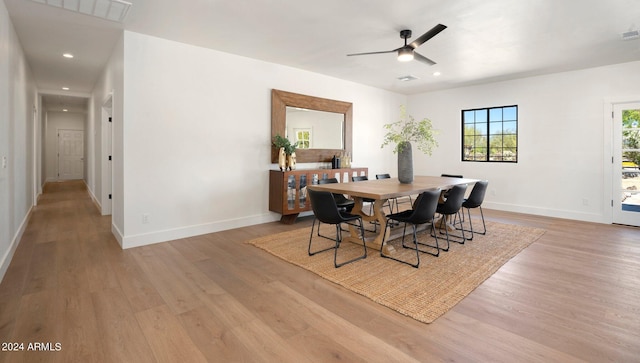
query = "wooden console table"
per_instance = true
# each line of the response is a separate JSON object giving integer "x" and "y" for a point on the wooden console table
{"x": 288, "y": 189}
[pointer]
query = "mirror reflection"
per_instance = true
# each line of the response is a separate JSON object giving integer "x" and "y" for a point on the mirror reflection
{"x": 314, "y": 129}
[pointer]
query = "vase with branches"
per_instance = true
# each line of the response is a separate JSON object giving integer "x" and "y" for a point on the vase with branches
{"x": 402, "y": 134}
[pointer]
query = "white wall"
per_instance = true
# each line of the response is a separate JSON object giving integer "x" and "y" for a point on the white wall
{"x": 195, "y": 135}
{"x": 58, "y": 121}
{"x": 17, "y": 176}
{"x": 562, "y": 151}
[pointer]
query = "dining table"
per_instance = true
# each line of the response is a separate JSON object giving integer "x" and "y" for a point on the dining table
{"x": 380, "y": 191}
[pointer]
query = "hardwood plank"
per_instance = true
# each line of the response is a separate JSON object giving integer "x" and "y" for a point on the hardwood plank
{"x": 122, "y": 337}
{"x": 43, "y": 270}
{"x": 176, "y": 291}
{"x": 35, "y": 323}
{"x": 166, "y": 336}
{"x": 80, "y": 337}
{"x": 133, "y": 282}
{"x": 211, "y": 333}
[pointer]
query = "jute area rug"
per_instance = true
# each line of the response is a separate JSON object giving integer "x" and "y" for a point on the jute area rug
{"x": 423, "y": 293}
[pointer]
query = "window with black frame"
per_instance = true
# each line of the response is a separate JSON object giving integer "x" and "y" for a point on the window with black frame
{"x": 490, "y": 134}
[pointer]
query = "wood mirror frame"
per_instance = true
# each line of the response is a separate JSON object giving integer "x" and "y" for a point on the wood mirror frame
{"x": 279, "y": 102}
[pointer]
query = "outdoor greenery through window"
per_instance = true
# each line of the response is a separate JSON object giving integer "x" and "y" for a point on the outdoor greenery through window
{"x": 490, "y": 134}
{"x": 303, "y": 137}
{"x": 630, "y": 138}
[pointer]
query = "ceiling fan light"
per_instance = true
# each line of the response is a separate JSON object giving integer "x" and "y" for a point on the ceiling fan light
{"x": 405, "y": 54}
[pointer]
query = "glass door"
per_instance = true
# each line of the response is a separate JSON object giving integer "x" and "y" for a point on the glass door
{"x": 626, "y": 164}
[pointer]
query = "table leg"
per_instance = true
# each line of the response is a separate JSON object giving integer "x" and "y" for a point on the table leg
{"x": 378, "y": 215}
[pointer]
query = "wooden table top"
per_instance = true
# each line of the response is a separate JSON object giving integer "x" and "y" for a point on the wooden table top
{"x": 391, "y": 188}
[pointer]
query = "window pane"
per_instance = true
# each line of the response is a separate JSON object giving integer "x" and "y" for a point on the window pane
{"x": 510, "y": 113}
{"x": 510, "y": 141}
{"x": 509, "y": 154}
{"x": 510, "y": 127}
{"x": 495, "y": 141}
{"x": 495, "y": 128}
{"x": 469, "y": 117}
{"x": 480, "y": 154}
{"x": 469, "y": 130}
{"x": 495, "y": 114}
{"x": 481, "y": 129}
{"x": 468, "y": 141}
{"x": 481, "y": 115}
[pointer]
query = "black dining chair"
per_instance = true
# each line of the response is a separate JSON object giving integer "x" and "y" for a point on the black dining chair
{"x": 358, "y": 178}
{"x": 394, "y": 201}
{"x": 444, "y": 193}
{"x": 423, "y": 212}
{"x": 475, "y": 199}
{"x": 342, "y": 202}
{"x": 451, "y": 207}
{"x": 326, "y": 211}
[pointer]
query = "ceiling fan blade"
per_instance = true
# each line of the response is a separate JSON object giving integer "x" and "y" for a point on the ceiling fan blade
{"x": 428, "y": 35}
{"x": 381, "y": 52}
{"x": 423, "y": 59}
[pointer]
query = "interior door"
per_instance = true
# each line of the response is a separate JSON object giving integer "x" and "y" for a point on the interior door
{"x": 70, "y": 154}
{"x": 626, "y": 164}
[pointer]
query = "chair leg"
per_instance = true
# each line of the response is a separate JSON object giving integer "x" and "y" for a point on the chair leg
{"x": 434, "y": 234}
{"x": 437, "y": 246}
{"x": 484, "y": 226}
{"x": 450, "y": 238}
{"x": 416, "y": 244}
{"x": 471, "y": 230}
{"x": 311, "y": 237}
{"x": 388, "y": 225}
{"x": 339, "y": 240}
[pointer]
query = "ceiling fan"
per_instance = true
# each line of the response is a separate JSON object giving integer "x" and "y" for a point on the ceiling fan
{"x": 407, "y": 52}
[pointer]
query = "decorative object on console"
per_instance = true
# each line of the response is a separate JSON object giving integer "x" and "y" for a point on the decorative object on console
{"x": 282, "y": 159}
{"x": 402, "y": 133}
{"x": 286, "y": 152}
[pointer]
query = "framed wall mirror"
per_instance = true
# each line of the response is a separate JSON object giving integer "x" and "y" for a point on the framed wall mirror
{"x": 323, "y": 126}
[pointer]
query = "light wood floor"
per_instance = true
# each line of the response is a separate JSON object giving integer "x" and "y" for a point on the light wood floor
{"x": 574, "y": 295}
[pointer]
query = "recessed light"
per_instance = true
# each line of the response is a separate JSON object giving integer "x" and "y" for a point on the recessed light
{"x": 65, "y": 88}
{"x": 436, "y": 74}
{"x": 68, "y": 55}
{"x": 64, "y": 110}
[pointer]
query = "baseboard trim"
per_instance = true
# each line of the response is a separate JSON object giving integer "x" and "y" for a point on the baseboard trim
{"x": 144, "y": 239}
{"x": 8, "y": 256}
{"x": 547, "y": 212}
{"x": 95, "y": 200}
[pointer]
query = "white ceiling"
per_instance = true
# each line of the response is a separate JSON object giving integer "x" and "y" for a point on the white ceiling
{"x": 485, "y": 40}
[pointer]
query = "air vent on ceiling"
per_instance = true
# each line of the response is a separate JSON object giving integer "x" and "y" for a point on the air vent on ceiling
{"x": 631, "y": 34}
{"x": 407, "y": 78}
{"x": 113, "y": 10}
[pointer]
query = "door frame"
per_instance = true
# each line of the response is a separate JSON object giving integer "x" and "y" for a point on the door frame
{"x": 107, "y": 150}
{"x": 608, "y": 166}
